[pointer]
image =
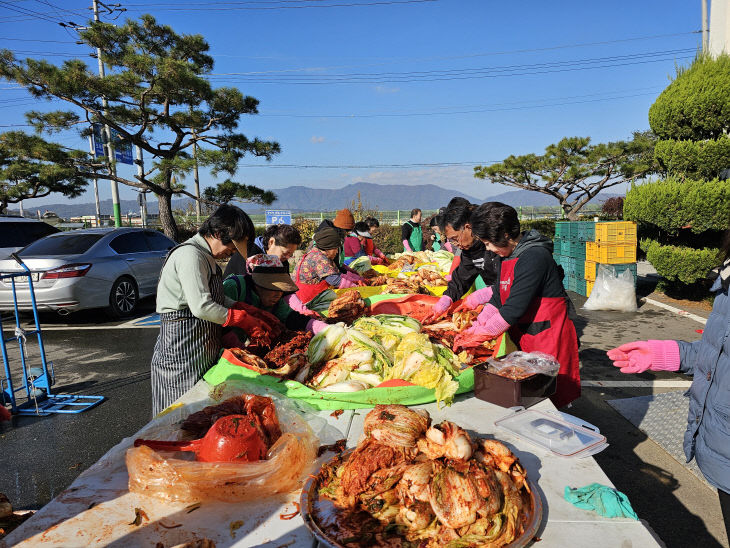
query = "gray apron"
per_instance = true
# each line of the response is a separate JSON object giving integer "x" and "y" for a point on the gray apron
{"x": 186, "y": 348}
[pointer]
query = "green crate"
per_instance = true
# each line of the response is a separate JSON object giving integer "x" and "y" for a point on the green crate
{"x": 574, "y": 249}
{"x": 576, "y": 267}
{"x": 583, "y": 231}
{"x": 562, "y": 230}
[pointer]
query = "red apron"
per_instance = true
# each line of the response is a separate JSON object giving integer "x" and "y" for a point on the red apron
{"x": 369, "y": 246}
{"x": 545, "y": 327}
{"x": 307, "y": 292}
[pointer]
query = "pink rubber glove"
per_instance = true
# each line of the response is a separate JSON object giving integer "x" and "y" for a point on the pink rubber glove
{"x": 482, "y": 296}
{"x": 438, "y": 310}
{"x": 486, "y": 314}
{"x": 315, "y": 326}
{"x": 379, "y": 254}
{"x": 344, "y": 282}
{"x": 480, "y": 332}
{"x": 407, "y": 245}
{"x": 638, "y": 356}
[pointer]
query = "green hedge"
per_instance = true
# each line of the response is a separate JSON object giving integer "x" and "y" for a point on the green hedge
{"x": 693, "y": 159}
{"x": 546, "y": 227}
{"x": 673, "y": 204}
{"x": 696, "y": 105}
{"x": 680, "y": 264}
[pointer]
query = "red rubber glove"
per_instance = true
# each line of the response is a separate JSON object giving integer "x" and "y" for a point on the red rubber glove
{"x": 638, "y": 356}
{"x": 482, "y": 296}
{"x": 438, "y": 310}
{"x": 274, "y": 323}
{"x": 254, "y": 327}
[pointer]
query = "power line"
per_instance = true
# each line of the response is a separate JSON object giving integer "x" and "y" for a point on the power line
{"x": 465, "y": 74}
{"x": 216, "y": 6}
{"x": 26, "y": 11}
{"x": 36, "y": 40}
{"x": 474, "y": 109}
{"x": 368, "y": 166}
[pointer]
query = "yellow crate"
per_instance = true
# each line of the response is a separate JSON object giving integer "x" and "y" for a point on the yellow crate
{"x": 610, "y": 253}
{"x": 589, "y": 271}
{"x": 616, "y": 232}
{"x": 589, "y": 287}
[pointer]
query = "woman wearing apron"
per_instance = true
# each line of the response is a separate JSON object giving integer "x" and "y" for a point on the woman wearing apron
{"x": 193, "y": 308}
{"x": 531, "y": 303}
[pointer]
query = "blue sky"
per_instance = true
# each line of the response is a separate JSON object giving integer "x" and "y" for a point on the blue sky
{"x": 415, "y": 82}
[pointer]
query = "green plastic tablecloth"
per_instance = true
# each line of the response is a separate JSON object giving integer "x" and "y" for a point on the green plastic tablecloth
{"x": 406, "y": 395}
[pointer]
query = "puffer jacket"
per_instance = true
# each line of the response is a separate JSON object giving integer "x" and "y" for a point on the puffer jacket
{"x": 708, "y": 425}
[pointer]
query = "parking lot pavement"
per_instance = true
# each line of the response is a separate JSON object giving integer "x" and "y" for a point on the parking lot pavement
{"x": 42, "y": 456}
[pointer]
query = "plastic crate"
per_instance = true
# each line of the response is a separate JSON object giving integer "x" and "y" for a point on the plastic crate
{"x": 589, "y": 287}
{"x": 583, "y": 231}
{"x": 591, "y": 269}
{"x": 616, "y": 232}
{"x": 576, "y": 267}
{"x": 576, "y": 285}
{"x": 610, "y": 253}
{"x": 562, "y": 231}
{"x": 577, "y": 250}
{"x": 564, "y": 247}
{"x": 580, "y": 287}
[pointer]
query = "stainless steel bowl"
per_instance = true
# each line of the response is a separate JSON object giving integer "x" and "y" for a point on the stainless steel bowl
{"x": 310, "y": 496}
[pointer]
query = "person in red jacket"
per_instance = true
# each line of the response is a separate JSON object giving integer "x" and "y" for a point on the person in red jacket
{"x": 529, "y": 302}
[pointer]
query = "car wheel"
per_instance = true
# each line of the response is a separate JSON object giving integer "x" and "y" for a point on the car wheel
{"x": 123, "y": 298}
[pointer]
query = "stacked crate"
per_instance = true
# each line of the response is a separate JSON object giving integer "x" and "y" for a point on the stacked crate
{"x": 570, "y": 252}
{"x": 581, "y": 246}
{"x": 614, "y": 246}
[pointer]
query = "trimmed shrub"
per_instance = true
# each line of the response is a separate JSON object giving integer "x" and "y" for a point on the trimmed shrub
{"x": 306, "y": 228}
{"x": 613, "y": 208}
{"x": 672, "y": 204}
{"x": 387, "y": 239}
{"x": 680, "y": 264}
{"x": 546, "y": 227}
{"x": 693, "y": 159}
{"x": 696, "y": 105}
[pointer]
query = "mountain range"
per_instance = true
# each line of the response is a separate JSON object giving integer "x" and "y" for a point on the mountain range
{"x": 301, "y": 198}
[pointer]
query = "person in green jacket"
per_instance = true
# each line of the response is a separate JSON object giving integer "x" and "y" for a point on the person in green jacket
{"x": 264, "y": 285}
{"x": 412, "y": 233}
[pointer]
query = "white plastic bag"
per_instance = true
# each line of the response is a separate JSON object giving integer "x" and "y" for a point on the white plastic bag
{"x": 612, "y": 291}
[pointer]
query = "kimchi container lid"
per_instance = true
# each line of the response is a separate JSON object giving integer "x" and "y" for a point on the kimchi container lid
{"x": 552, "y": 432}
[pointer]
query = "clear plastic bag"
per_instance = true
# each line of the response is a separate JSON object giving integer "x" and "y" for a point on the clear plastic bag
{"x": 524, "y": 364}
{"x": 612, "y": 291}
{"x": 180, "y": 478}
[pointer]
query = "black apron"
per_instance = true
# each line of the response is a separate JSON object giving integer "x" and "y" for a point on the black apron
{"x": 186, "y": 348}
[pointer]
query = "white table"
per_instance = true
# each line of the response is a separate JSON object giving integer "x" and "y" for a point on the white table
{"x": 97, "y": 509}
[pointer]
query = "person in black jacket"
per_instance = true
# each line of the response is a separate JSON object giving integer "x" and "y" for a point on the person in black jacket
{"x": 476, "y": 260}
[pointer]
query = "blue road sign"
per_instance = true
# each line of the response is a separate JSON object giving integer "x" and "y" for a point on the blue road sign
{"x": 278, "y": 217}
{"x": 122, "y": 148}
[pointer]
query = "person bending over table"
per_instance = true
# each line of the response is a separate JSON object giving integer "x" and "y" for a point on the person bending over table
{"x": 317, "y": 271}
{"x": 707, "y": 438}
{"x": 475, "y": 264}
{"x": 266, "y": 281}
{"x": 355, "y": 242}
{"x": 531, "y": 303}
{"x": 376, "y": 256}
{"x": 279, "y": 240}
{"x": 193, "y": 307}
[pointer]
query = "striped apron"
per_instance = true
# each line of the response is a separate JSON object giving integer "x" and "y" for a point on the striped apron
{"x": 186, "y": 348}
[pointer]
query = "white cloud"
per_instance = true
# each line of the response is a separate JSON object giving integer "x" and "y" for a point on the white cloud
{"x": 386, "y": 89}
{"x": 317, "y": 139}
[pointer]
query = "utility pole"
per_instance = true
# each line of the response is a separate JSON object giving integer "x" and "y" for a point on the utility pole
{"x": 96, "y": 186}
{"x": 705, "y": 28}
{"x": 195, "y": 176}
{"x": 143, "y": 193}
{"x": 108, "y": 134}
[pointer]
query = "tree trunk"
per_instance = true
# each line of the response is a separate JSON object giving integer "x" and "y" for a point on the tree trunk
{"x": 169, "y": 226}
{"x": 570, "y": 213}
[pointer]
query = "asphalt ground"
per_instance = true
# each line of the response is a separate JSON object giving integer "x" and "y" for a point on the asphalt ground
{"x": 39, "y": 457}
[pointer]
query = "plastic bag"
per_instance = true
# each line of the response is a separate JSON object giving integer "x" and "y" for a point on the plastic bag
{"x": 182, "y": 479}
{"x": 520, "y": 365}
{"x": 612, "y": 291}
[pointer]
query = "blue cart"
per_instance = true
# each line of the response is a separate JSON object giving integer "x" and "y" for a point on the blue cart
{"x": 36, "y": 380}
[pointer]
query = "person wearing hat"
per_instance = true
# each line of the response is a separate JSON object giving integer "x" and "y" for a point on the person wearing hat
{"x": 264, "y": 285}
{"x": 343, "y": 223}
{"x": 355, "y": 242}
{"x": 318, "y": 271}
{"x": 193, "y": 308}
{"x": 412, "y": 233}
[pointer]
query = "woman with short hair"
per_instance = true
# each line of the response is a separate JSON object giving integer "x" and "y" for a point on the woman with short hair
{"x": 355, "y": 242}
{"x": 193, "y": 308}
{"x": 279, "y": 240}
{"x": 530, "y": 302}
